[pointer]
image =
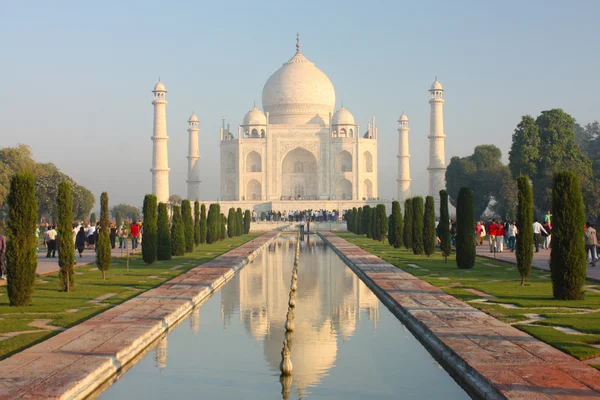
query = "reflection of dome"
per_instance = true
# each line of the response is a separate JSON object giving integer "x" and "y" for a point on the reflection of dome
{"x": 298, "y": 92}
{"x": 159, "y": 87}
{"x": 342, "y": 117}
{"x": 255, "y": 117}
{"x": 436, "y": 85}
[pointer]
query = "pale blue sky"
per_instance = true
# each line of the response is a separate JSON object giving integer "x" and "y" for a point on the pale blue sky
{"x": 78, "y": 75}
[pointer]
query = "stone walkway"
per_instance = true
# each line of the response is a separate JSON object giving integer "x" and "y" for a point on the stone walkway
{"x": 540, "y": 260}
{"x": 74, "y": 363}
{"x": 492, "y": 358}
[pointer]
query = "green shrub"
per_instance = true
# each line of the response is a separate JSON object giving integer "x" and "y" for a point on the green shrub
{"x": 429, "y": 235}
{"x": 366, "y": 221}
{"x": 358, "y": 224}
{"x": 395, "y": 229}
{"x": 203, "y": 225}
{"x": 381, "y": 223}
{"x": 524, "y": 243}
{"x": 150, "y": 234}
{"x": 444, "y": 227}
{"x": 465, "y": 230}
{"x": 247, "y": 221}
{"x": 408, "y": 225}
{"x": 21, "y": 250}
{"x": 212, "y": 224}
{"x": 568, "y": 256}
{"x": 223, "y": 224}
{"x": 64, "y": 239}
{"x": 417, "y": 225}
{"x": 177, "y": 233}
{"x": 163, "y": 247}
{"x": 239, "y": 222}
{"x": 231, "y": 223}
{"x": 188, "y": 225}
{"x": 103, "y": 248}
{"x": 196, "y": 222}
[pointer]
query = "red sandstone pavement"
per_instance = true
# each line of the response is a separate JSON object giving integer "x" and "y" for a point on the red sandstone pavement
{"x": 74, "y": 363}
{"x": 501, "y": 360}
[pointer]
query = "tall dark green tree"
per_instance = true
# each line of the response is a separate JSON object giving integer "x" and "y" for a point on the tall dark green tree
{"x": 354, "y": 224}
{"x": 223, "y": 233}
{"x": 373, "y": 222}
{"x": 358, "y": 223}
{"x": 366, "y": 221}
{"x": 103, "y": 249}
{"x": 247, "y": 221}
{"x": 203, "y": 224}
{"x": 408, "y": 224}
{"x": 196, "y": 222}
{"x": 568, "y": 256}
{"x": 21, "y": 251}
{"x": 524, "y": 244}
{"x": 348, "y": 218}
{"x": 212, "y": 224}
{"x": 93, "y": 219}
{"x": 396, "y": 229}
{"x": 465, "y": 231}
{"x": 239, "y": 222}
{"x": 64, "y": 239}
{"x": 150, "y": 234}
{"x": 177, "y": 232}
{"x": 429, "y": 235}
{"x": 381, "y": 223}
{"x": 163, "y": 248}
{"x": 231, "y": 229}
{"x": 444, "y": 227}
{"x": 417, "y": 225}
{"x": 188, "y": 225}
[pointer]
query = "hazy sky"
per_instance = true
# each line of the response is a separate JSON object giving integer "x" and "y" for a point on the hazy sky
{"x": 78, "y": 75}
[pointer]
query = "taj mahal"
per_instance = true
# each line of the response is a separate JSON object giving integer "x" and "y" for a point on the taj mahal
{"x": 298, "y": 148}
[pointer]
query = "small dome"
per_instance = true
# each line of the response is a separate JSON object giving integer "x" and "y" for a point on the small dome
{"x": 255, "y": 117}
{"x": 342, "y": 117}
{"x": 193, "y": 118}
{"x": 159, "y": 87}
{"x": 436, "y": 85}
{"x": 403, "y": 117}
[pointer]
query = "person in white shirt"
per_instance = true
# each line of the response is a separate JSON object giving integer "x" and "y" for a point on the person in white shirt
{"x": 512, "y": 235}
{"x": 537, "y": 231}
{"x": 51, "y": 238}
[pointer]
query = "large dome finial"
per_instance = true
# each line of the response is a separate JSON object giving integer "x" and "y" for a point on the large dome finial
{"x": 297, "y": 43}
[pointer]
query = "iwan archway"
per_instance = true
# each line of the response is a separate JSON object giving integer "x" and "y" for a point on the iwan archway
{"x": 299, "y": 175}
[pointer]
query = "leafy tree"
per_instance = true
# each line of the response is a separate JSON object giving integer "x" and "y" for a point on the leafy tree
{"x": 103, "y": 249}
{"x": 408, "y": 224}
{"x": 163, "y": 247}
{"x": 203, "y": 223}
{"x": 429, "y": 236}
{"x": 524, "y": 244}
{"x": 196, "y": 222}
{"x": 465, "y": 231}
{"x": 93, "y": 219}
{"x": 175, "y": 200}
{"x": 490, "y": 180}
{"x": 568, "y": 256}
{"x": 417, "y": 225}
{"x": 177, "y": 233}
{"x": 14, "y": 160}
{"x": 231, "y": 222}
{"x": 525, "y": 149}
{"x": 444, "y": 226}
{"x": 21, "y": 251}
{"x": 381, "y": 223}
{"x": 127, "y": 211}
{"x": 150, "y": 234}
{"x": 239, "y": 222}
{"x": 358, "y": 223}
{"x": 188, "y": 225}
{"x": 247, "y": 221}
{"x": 223, "y": 233}
{"x": 64, "y": 239}
{"x": 366, "y": 221}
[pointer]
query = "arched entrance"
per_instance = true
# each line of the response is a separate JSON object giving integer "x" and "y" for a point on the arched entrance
{"x": 299, "y": 175}
{"x": 368, "y": 189}
{"x": 253, "y": 190}
{"x": 343, "y": 190}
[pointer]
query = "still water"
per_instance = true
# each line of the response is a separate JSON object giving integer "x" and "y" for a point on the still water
{"x": 345, "y": 344}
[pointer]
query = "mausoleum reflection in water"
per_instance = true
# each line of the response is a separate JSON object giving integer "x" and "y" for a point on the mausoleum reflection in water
{"x": 344, "y": 344}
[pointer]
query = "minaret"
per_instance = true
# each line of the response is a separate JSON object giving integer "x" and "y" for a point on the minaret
{"x": 437, "y": 158}
{"x": 160, "y": 159}
{"x": 403, "y": 160}
{"x": 193, "y": 181}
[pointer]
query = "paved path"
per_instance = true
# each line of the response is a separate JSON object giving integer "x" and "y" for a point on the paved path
{"x": 76, "y": 362}
{"x": 540, "y": 260}
{"x": 494, "y": 359}
{"x": 50, "y": 265}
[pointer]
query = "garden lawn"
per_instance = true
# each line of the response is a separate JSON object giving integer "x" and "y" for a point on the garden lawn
{"x": 20, "y": 326}
{"x": 578, "y": 321}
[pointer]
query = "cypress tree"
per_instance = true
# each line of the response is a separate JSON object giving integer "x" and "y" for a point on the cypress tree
{"x": 150, "y": 234}
{"x": 395, "y": 228}
{"x": 366, "y": 221}
{"x": 445, "y": 243}
{"x": 524, "y": 243}
{"x": 231, "y": 229}
{"x": 177, "y": 233}
{"x": 64, "y": 239}
{"x": 239, "y": 222}
{"x": 247, "y": 221}
{"x": 163, "y": 247}
{"x": 373, "y": 222}
{"x": 212, "y": 225}
{"x": 196, "y": 222}
{"x": 381, "y": 226}
{"x": 21, "y": 246}
{"x": 429, "y": 236}
{"x": 348, "y": 219}
{"x": 407, "y": 233}
{"x": 203, "y": 225}
{"x": 219, "y": 225}
{"x": 568, "y": 255}
{"x": 188, "y": 225}
{"x": 223, "y": 234}
{"x": 465, "y": 231}
{"x": 354, "y": 224}
{"x": 358, "y": 222}
{"x": 103, "y": 249}
{"x": 93, "y": 219}
{"x": 417, "y": 225}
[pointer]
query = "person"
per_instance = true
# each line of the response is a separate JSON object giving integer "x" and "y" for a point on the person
{"x": 302, "y": 227}
{"x": 537, "y": 231}
{"x": 2, "y": 255}
{"x": 512, "y": 236}
{"x": 51, "y": 240}
{"x": 80, "y": 241}
{"x": 113, "y": 235}
{"x": 591, "y": 243}
{"x": 492, "y": 235}
{"x": 547, "y": 236}
{"x": 123, "y": 236}
{"x": 548, "y": 218}
{"x": 478, "y": 237}
{"x": 135, "y": 231}
{"x": 500, "y": 236}
{"x": 91, "y": 229}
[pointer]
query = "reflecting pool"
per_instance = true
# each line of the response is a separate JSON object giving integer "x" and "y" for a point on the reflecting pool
{"x": 345, "y": 343}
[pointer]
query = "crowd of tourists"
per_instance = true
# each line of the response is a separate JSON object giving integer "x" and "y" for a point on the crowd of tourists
{"x": 321, "y": 215}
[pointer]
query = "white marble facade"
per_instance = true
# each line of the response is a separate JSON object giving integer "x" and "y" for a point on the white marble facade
{"x": 298, "y": 148}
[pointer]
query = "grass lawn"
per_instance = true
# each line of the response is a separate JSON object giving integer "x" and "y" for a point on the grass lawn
{"x": 502, "y": 280}
{"x": 60, "y": 309}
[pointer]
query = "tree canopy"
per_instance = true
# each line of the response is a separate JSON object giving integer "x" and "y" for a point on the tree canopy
{"x": 126, "y": 210}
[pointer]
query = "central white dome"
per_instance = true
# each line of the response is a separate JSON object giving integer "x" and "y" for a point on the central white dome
{"x": 298, "y": 93}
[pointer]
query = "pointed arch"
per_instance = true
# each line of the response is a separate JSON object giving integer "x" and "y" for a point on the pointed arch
{"x": 343, "y": 161}
{"x": 368, "y": 189}
{"x": 368, "y": 161}
{"x": 253, "y": 190}
{"x": 253, "y": 162}
{"x": 343, "y": 189}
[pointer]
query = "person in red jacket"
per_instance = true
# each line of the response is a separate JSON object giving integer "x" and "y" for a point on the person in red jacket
{"x": 500, "y": 236}
{"x": 492, "y": 235}
{"x": 134, "y": 229}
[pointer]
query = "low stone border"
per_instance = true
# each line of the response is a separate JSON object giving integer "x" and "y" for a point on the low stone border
{"x": 74, "y": 363}
{"x": 491, "y": 359}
